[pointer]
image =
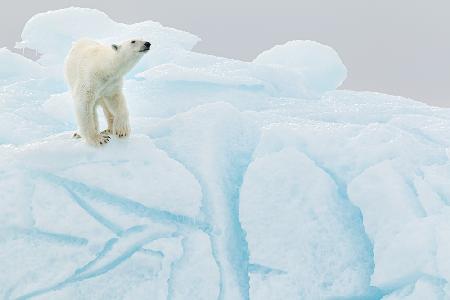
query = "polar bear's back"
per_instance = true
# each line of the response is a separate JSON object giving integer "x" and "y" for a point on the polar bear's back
{"x": 83, "y": 57}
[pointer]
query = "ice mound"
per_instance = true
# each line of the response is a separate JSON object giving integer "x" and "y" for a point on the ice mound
{"x": 241, "y": 180}
{"x": 319, "y": 65}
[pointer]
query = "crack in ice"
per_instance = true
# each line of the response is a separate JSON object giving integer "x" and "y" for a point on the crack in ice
{"x": 90, "y": 270}
{"x": 126, "y": 204}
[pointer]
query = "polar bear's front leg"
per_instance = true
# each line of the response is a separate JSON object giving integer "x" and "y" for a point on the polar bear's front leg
{"x": 87, "y": 121}
{"x": 118, "y": 107}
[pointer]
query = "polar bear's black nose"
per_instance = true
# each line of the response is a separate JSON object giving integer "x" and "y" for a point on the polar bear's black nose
{"x": 147, "y": 44}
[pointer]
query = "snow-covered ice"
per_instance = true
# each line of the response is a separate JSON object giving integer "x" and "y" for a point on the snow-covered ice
{"x": 241, "y": 180}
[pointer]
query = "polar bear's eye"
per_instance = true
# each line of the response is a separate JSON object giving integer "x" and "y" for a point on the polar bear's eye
{"x": 133, "y": 42}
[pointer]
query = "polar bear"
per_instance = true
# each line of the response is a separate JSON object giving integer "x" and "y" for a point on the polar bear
{"x": 95, "y": 73}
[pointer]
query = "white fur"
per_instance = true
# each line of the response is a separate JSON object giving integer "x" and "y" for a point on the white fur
{"x": 95, "y": 73}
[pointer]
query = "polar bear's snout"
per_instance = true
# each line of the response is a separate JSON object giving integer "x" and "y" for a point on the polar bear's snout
{"x": 146, "y": 47}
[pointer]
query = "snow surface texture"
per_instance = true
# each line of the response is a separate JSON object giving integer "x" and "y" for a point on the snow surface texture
{"x": 242, "y": 180}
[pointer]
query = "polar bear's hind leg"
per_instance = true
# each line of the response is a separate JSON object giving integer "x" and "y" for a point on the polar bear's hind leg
{"x": 88, "y": 123}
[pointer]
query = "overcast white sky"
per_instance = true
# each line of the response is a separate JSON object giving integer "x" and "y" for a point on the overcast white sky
{"x": 400, "y": 47}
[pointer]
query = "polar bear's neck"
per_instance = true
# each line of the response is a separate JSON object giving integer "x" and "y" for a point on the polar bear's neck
{"x": 122, "y": 64}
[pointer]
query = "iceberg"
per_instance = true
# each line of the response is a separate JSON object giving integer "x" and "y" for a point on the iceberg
{"x": 241, "y": 180}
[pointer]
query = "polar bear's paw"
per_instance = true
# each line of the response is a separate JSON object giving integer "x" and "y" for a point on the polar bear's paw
{"x": 121, "y": 128}
{"x": 99, "y": 139}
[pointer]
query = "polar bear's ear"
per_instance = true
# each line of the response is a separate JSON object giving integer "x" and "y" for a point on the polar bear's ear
{"x": 115, "y": 47}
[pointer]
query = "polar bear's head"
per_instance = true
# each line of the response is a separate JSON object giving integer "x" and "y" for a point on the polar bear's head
{"x": 128, "y": 53}
{"x": 132, "y": 47}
